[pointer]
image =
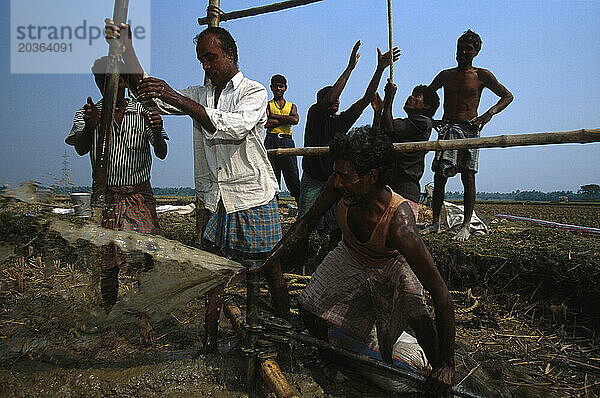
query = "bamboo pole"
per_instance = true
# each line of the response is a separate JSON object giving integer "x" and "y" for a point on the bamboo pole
{"x": 390, "y": 41}
{"x": 213, "y": 13}
{"x": 111, "y": 84}
{"x": 274, "y": 377}
{"x": 371, "y": 363}
{"x": 213, "y": 17}
{"x": 583, "y": 136}
{"x": 269, "y": 369}
{"x": 258, "y": 10}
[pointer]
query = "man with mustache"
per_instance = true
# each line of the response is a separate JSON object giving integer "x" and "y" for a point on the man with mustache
{"x": 232, "y": 173}
{"x": 376, "y": 274}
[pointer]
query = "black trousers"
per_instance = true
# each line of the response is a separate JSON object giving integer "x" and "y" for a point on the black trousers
{"x": 288, "y": 165}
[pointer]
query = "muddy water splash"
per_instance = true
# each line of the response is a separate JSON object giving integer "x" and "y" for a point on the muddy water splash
{"x": 180, "y": 273}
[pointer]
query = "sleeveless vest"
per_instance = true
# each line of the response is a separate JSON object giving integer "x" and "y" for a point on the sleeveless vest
{"x": 372, "y": 253}
{"x": 275, "y": 110}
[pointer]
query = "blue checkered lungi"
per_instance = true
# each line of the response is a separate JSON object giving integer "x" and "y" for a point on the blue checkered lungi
{"x": 453, "y": 161}
{"x": 256, "y": 230}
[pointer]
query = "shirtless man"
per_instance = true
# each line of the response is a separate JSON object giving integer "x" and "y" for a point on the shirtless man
{"x": 377, "y": 273}
{"x": 463, "y": 86}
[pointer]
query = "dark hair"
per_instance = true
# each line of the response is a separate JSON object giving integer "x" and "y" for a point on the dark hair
{"x": 471, "y": 37}
{"x": 225, "y": 39}
{"x": 367, "y": 148}
{"x": 430, "y": 98}
{"x": 278, "y": 79}
{"x": 99, "y": 67}
{"x": 323, "y": 92}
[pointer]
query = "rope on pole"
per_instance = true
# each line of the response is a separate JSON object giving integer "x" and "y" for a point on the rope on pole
{"x": 389, "y": 9}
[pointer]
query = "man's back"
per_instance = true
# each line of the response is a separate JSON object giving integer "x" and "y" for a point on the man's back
{"x": 408, "y": 167}
{"x": 320, "y": 129}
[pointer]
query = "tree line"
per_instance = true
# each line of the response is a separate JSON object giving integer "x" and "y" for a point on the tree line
{"x": 589, "y": 192}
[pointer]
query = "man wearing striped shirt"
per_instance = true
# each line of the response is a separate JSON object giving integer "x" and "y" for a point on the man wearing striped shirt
{"x": 130, "y": 204}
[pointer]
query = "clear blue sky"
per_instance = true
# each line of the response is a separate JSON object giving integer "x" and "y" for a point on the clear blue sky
{"x": 546, "y": 52}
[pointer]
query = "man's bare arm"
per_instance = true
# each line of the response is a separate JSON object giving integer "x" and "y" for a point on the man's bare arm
{"x": 506, "y": 97}
{"x": 387, "y": 120}
{"x": 302, "y": 227}
{"x": 377, "y": 105}
{"x": 155, "y": 124}
{"x": 405, "y": 237}
{"x": 292, "y": 118}
{"x": 438, "y": 81}
{"x": 84, "y": 137}
{"x": 340, "y": 83}
{"x": 271, "y": 121}
{"x": 151, "y": 87}
{"x": 383, "y": 61}
{"x": 122, "y": 33}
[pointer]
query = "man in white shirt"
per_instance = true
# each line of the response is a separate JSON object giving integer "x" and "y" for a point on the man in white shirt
{"x": 232, "y": 173}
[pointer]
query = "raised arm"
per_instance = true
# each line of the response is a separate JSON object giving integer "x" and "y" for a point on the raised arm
{"x": 334, "y": 94}
{"x": 377, "y": 105}
{"x": 383, "y": 61}
{"x": 387, "y": 120}
{"x": 506, "y": 97}
{"x": 155, "y": 131}
{"x": 405, "y": 237}
{"x": 122, "y": 34}
{"x": 84, "y": 123}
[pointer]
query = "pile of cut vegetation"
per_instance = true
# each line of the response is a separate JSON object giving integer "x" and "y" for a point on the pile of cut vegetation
{"x": 538, "y": 266}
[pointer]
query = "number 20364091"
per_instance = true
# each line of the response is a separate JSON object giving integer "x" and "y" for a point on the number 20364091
{"x": 45, "y": 47}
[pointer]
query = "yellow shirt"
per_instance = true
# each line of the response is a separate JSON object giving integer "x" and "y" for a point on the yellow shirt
{"x": 275, "y": 110}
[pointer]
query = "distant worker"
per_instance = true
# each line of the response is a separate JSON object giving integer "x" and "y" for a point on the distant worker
{"x": 130, "y": 204}
{"x": 463, "y": 86}
{"x": 281, "y": 115}
{"x": 376, "y": 274}
{"x": 322, "y": 124}
{"x": 408, "y": 168}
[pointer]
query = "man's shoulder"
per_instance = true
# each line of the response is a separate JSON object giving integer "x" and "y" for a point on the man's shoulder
{"x": 314, "y": 111}
{"x": 416, "y": 123}
{"x": 484, "y": 74}
{"x": 253, "y": 84}
{"x": 422, "y": 121}
{"x": 449, "y": 71}
{"x": 403, "y": 216}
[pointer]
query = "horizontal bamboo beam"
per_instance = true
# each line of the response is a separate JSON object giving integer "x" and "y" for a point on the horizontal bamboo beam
{"x": 583, "y": 136}
{"x": 258, "y": 10}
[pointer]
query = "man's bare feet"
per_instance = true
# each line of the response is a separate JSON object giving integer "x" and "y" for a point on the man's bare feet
{"x": 432, "y": 229}
{"x": 463, "y": 234}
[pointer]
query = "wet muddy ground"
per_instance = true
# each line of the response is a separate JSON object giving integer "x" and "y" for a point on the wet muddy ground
{"x": 523, "y": 339}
